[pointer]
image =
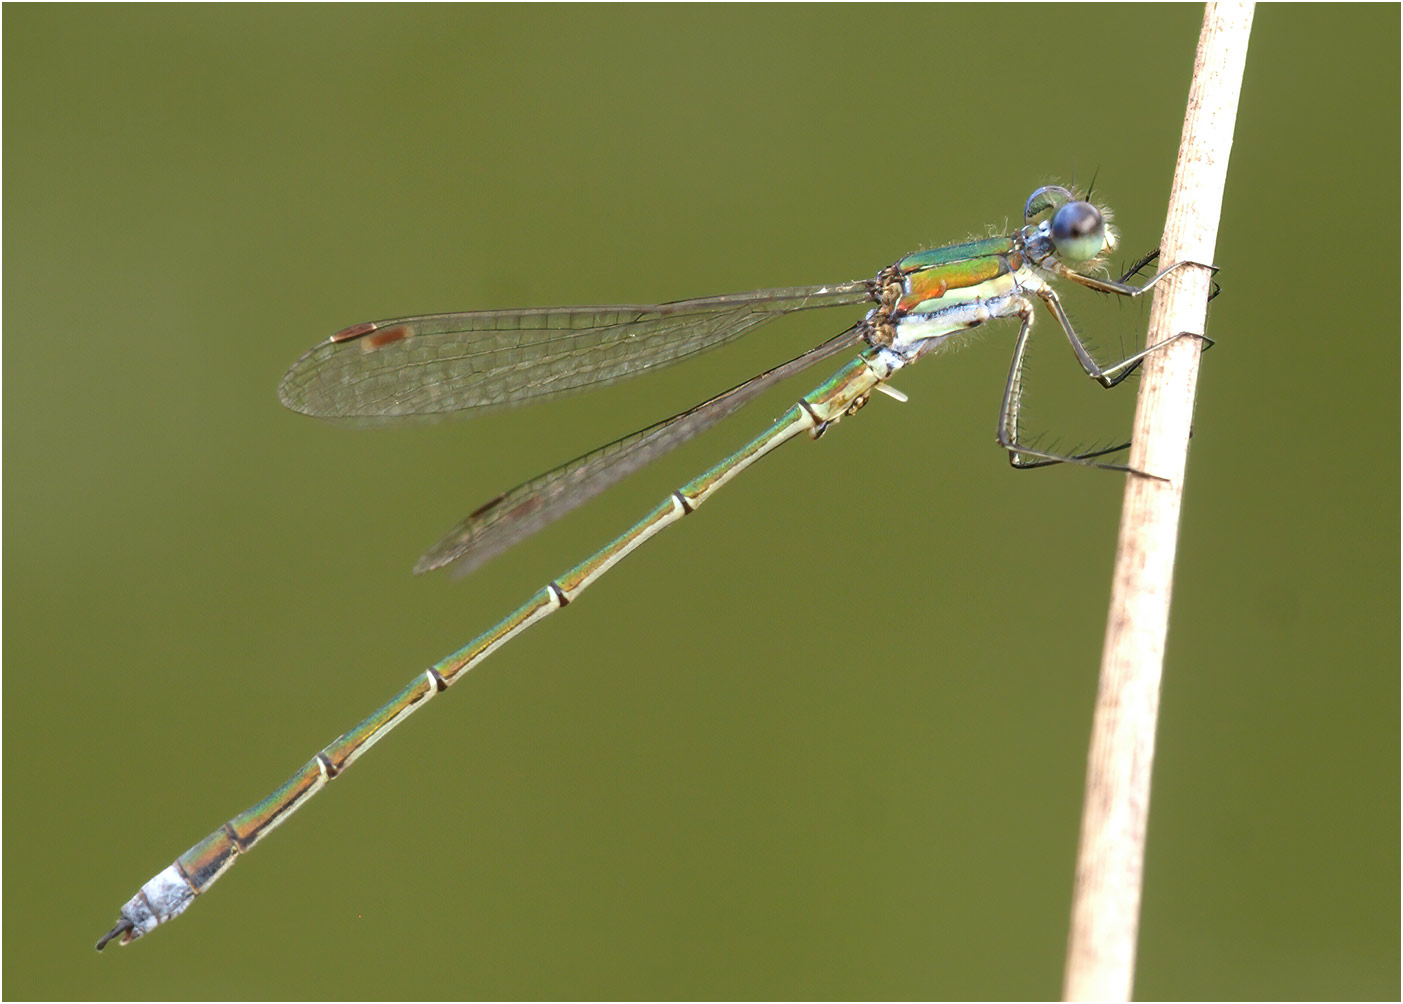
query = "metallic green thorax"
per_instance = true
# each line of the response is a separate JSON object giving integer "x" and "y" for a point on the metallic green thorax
{"x": 957, "y": 273}
{"x": 918, "y": 261}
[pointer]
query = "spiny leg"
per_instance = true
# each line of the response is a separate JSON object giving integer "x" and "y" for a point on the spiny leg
{"x": 1132, "y": 363}
{"x": 1153, "y": 256}
{"x": 1108, "y": 377}
{"x": 1019, "y": 454}
{"x": 1111, "y": 375}
{"x": 1121, "y": 286}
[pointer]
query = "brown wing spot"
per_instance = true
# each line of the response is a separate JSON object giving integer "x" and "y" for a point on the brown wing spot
{"x": 354, "y": 331}
{"x": 528, "y": 506}
{"x": 490, "y": 504}
{"x": 390, "y": 335}
{"x": 525, "y": 507}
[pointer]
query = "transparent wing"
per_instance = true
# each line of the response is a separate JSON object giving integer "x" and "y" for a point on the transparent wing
{"x": 482, "y": 359}
{"x": 515, "y": 515}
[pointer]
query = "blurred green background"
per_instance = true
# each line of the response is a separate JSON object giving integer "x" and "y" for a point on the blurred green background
{"x": 825, "y": 740}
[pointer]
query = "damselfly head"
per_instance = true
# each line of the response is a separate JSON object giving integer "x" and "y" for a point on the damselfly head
{"x": 1078, "y": 230}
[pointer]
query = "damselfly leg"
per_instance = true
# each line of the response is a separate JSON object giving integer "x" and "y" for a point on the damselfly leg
{"x": 1024, "y": 456}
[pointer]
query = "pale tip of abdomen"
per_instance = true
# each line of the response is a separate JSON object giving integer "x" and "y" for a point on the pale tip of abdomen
{"x": 163, "y": 898}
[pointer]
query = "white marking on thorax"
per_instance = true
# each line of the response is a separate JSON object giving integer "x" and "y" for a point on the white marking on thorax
{"x": 960, "y": 310}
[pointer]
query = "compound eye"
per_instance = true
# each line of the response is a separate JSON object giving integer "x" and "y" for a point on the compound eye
{"x": 1078, "y": 231}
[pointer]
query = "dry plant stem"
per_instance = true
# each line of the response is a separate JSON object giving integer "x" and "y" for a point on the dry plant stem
{"x": 1110, "y": 861}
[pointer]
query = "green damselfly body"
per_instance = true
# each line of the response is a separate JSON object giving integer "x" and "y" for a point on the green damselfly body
{"x": 439, "y": 364}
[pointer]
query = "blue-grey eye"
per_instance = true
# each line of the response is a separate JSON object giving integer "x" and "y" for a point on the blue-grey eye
{"x": 1078, "y": 231}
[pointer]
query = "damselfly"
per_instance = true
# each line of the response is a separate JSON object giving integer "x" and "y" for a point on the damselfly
{"x": 479, "y": 360}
